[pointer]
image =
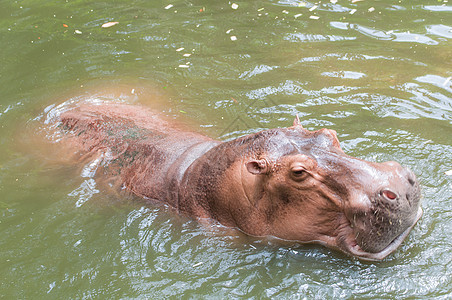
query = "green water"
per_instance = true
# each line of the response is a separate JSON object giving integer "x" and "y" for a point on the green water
{"x": 378, "y": 76}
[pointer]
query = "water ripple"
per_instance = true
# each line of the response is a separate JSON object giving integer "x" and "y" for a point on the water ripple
{"x": 345, "y": 74}
{"x": 392, "y": 35}
{"x": 257, "y": 70}
{"x": 440, "y": 30}
{"x": 440, "y": 8}
{"x": 302, "y": 37}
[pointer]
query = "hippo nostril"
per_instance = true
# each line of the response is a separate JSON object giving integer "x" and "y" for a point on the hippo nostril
{"x": 389, "y": 195}
{"x": 410, "y": 177}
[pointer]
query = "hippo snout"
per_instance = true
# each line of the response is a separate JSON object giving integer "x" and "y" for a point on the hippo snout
{"x": 394, "y": 209}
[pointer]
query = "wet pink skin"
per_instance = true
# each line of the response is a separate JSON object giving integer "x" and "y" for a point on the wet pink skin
{"x": 290, "y": 183}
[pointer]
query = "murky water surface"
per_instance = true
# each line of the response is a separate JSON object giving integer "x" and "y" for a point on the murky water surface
{"x": 378, "y": 72}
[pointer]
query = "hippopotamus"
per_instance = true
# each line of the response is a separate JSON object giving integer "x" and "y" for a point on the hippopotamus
{"x": 290, "y": 183}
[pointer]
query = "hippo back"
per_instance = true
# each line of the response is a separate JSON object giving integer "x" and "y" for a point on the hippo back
{"x": 146, "y": 154}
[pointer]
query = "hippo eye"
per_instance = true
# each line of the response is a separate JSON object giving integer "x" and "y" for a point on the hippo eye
{"x": 298, "y": 173}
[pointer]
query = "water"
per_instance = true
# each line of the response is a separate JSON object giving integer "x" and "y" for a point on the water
{"x": 379, "y": 76}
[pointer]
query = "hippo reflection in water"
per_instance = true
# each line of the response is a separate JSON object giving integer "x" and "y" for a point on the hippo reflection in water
{"x": 290, "y": 183}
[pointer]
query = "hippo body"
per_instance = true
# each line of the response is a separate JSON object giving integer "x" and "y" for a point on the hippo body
{"x": 290, "y": 183}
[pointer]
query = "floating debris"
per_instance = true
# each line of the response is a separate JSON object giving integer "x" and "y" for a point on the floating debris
{"x": 180, "y": 49}
{"x": 109, "y": 24}
{"x": 448, "y": 173}
{"x": 297, "y": 15}
{"x": 314, "y": 17}
{"x": 313, "y": 8}
{"x": 261, "y": 9}
{"x": 371, "y": 9}
{"x": 184, "y": 66}
{"x": 352, "y": 11}
{"x": 302, "y": 4}
{"x": 234, "y": 6}
{"x": 78, "y": 31}
{"x": 197, "y": 264}
{"x": 186, "y": 55}
{"x": 233, "y": 38}
{"x": 229, "y": 31}
{"x": 169, "y": 6}
{"x": 333, "y": 1}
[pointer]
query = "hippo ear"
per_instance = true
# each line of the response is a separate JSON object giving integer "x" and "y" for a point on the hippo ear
{"x": 258, "y": 167}
{"x": 296, "y": 122}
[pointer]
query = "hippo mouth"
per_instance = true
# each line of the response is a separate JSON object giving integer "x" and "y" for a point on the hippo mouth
{"x": 351, "y": 245}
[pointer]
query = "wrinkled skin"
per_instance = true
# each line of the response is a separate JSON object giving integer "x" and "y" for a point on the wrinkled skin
{"x": 290, "y": 183}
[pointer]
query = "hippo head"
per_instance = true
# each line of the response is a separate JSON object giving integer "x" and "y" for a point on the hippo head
{"x": 304, "y": 188}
